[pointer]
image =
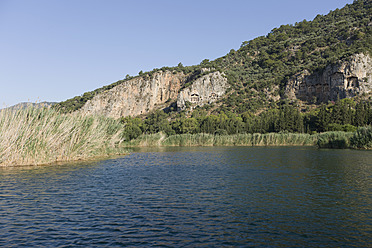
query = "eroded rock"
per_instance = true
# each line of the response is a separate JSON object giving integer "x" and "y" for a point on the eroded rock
{"x": 341, "y": 80}
{"x": 136, "y": 96}
{"x": 204, "y": 90}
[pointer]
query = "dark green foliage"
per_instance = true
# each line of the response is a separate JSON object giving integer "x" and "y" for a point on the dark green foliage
{"x": 220, "y": 132}
{"x": 343, "y": 128}
{"x": 131, "y": 131}
{"x": 362, "y": 138}
{"x": 284, "y": 119}
{"x": 323, "y": 118}
{"x": 157, "y": 122}
{"x": 343, "y": 115}
{"x": 362, "y": 114}
{"x": 289, "y": 119}
{"x": 133, "y": 127}
{"x": 338, "y": 140}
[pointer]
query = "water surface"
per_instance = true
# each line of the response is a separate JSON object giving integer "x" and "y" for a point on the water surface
{"x": 193, "y": 197}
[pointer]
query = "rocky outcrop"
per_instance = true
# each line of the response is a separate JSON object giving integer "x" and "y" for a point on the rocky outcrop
{"x": 204, "y": 90}
{"x": 136, "y": 96}
{"x": 341, "y": 80}
{"x": 143, "y": 94}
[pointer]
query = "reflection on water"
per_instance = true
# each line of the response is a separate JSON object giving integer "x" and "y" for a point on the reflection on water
{"x": 190, "y": 197}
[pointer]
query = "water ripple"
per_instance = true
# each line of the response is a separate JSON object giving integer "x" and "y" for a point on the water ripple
{"x": 193, "y": 197}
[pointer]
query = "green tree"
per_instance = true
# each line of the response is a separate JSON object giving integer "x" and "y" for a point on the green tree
{"x": 361, "y": 114}
{"x": 157, "y": 122}
{"x": 189, "y": 125}
{"x": 322, "y": 118}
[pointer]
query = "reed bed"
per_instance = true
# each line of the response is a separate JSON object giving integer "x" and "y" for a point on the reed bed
{"x": 201, "y": 139}
{"x": 146, "y": 140}
{"x": 361, "y": 139}
{"x": 269, "y": 139}
{"x": 35, "y": 136}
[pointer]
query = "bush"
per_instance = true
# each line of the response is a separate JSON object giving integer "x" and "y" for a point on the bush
{"x": 362, "y": 138}
{"x": 131, "y": 131}
{"x": 220, "y": 132}
{"x": 337, "y": 140}
{"x": 339, "y": 127}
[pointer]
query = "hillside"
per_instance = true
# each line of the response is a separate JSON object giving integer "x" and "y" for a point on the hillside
{"x": 262, "y": 72}
{"x": 271, "y": 61}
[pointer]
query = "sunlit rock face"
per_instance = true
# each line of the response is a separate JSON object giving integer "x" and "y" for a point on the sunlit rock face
{"x": 204, "y": 90}
{"x": 143, "y": 94}
{"x": 136, "y": 96}
{"x": 341, "y": 80}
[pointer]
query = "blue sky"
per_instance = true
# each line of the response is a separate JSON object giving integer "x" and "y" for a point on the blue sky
{"x": 53, "y": 50}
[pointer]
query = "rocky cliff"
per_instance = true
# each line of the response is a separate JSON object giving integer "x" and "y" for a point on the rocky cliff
{"x": 204, "y": 90}
{"x": 341, "y": 80}
{"x": 136, "y": 96}
{"x": 143, "y": 94}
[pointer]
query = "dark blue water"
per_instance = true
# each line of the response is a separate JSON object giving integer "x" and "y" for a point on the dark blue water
{"x": 193, "y": 197}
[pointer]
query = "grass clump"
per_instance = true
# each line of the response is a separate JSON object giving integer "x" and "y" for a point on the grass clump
{"x": 38, "y": 136}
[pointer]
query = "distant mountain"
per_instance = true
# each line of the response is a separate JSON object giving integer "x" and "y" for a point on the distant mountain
{"x": 24, "y": 105}
{"x": 310, "y": 62}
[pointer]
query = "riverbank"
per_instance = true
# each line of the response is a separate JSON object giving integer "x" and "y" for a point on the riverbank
{"x": 44, "y": 136}
{"x": 201, "y": 139}
{"x": 361, "y": 139}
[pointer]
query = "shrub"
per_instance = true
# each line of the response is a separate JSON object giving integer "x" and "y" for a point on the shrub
{"x": 338, "y": 140}
{"x": 362, "y": 138}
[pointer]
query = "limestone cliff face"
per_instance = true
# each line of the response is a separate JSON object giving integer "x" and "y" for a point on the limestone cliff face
{"x": 136, "y": 96}
{"x": 204, "y": 90}
{"x": 341, "y": 80}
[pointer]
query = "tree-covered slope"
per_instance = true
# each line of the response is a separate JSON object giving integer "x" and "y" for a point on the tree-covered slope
{"x": 271, "y": 60}
{"x": 260, "y": 69}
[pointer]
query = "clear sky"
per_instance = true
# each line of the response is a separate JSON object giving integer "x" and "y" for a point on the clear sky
{"x": 52, "y": 50}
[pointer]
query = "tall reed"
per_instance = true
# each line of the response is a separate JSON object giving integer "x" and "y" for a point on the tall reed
{"x": 146, "y": 140}
{"x": 201, "y": 139}
{"x": 361, "y": 139}
{"x": 38, "y": 136}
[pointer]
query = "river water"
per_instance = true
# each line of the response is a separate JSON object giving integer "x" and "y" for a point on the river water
{"x": 193, "y": 197}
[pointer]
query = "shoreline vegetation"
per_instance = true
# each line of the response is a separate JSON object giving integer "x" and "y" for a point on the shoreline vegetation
{"x": 35, "y": 136}
{"x": 43, "y": 136}
{"x": 361, "y": 139}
